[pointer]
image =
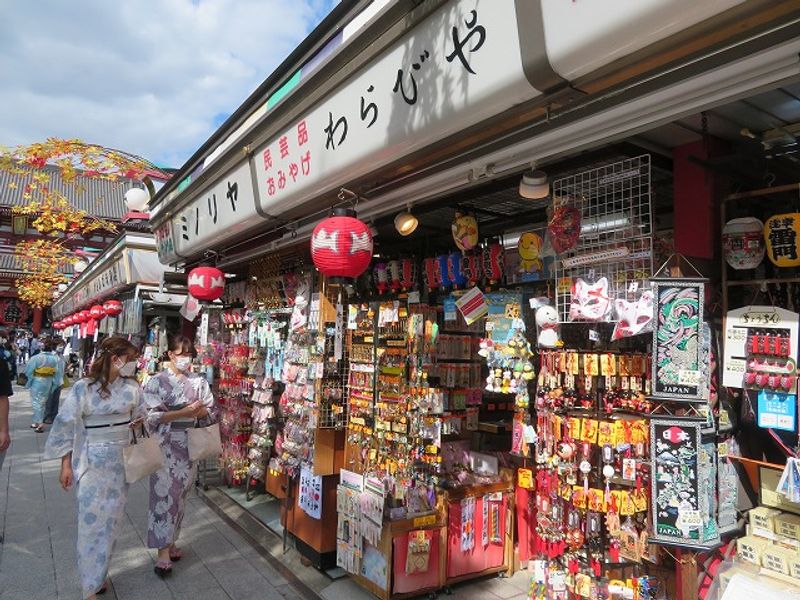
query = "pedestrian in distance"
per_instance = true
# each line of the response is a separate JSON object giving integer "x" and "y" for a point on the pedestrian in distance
{"x": 5, "y": 432}
{"x": 45, "y": 373}
{"x": 177, "y": 399}
{"x": 89, "y": 434}
{"x": 51, "y": 408}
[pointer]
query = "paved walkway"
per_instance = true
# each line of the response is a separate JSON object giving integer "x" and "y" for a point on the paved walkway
{"x": 37, "y": 558}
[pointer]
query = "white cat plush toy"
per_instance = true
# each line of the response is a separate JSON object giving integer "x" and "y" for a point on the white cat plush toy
{"x": 590, "y": 301}
{"x": 633, "y": 317}
{"x": 547, "y": 322}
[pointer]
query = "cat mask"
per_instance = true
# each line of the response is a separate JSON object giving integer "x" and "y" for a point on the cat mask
{"x": 634, "y": 317}
{"x": 590, "y": 302}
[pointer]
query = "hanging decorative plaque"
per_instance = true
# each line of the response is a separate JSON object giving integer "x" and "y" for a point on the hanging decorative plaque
{"x": 678, "y": 374}
{"x": 681, "y": 506}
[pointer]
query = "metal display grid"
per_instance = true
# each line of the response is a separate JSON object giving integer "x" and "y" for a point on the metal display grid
{"x": 615, "y": 203}
{"x": 335, "y": 373}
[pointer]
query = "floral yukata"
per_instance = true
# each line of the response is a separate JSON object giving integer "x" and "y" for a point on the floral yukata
{"x": 97, "y": 465}
{"x": 169, "y": 486}
{"x": 45, "y": 373}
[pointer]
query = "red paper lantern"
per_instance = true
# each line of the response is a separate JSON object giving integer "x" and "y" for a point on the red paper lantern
{"x": 66, "y": 321}
{"x": 341, "y": 245}
{"x": 97, "y": 313}
{"x": 113, "y": 308}
{"x": 84, "y": 316}
{"x": 57, "y": 326}
{"x": 206, "y": 283}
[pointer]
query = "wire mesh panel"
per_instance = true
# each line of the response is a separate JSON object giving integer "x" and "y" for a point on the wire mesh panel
{"x": 332, "y": 388}
{"x": 616, "y": 231}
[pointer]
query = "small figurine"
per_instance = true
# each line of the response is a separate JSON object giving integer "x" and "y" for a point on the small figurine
{"x": 547, "y": 322}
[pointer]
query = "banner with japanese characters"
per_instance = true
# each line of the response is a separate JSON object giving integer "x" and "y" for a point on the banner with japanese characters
{"x": 459, "y": 66}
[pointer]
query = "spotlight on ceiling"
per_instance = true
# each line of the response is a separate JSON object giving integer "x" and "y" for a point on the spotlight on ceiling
{"x": 405, "y": 222}
{"x": 534, "y": 185}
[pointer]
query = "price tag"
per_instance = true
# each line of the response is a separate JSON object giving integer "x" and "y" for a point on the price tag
{"x": 525, "y": 479}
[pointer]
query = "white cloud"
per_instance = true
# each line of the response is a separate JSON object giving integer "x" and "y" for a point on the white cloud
{"x": 152, "y": 77}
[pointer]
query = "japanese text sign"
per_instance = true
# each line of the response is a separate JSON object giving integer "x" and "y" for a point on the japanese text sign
{"x": 460, "y": 66}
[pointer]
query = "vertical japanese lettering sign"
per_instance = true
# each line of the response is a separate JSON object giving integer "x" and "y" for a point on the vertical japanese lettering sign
{"x": 459, "y": 66}
{"x": 678, "y": 340}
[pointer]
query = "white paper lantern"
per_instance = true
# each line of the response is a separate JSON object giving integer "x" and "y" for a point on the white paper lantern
{"x": 743, "y": 243}
{"x": 136, "y": 199}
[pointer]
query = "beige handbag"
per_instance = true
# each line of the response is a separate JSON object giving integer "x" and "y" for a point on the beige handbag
{"x": 142, "y": 456}
{"x": 204, "y": 442}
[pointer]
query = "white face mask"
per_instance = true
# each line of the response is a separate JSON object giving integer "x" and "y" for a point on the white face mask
{"x": 183, "y": 363}
{"x": 128, "y": 369}
{"x": 60, "y": 349}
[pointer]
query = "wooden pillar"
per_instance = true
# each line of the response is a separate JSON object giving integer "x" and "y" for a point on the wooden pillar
{"x": 37, "y": 321}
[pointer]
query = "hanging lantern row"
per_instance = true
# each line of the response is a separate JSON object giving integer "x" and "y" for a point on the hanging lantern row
{"x": 95, "y": 314}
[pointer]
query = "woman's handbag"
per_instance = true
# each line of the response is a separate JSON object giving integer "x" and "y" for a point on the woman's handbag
{"x": 204, "y": 442}
{"x": 22, "y": 379}
{"x": 142, "y": 457}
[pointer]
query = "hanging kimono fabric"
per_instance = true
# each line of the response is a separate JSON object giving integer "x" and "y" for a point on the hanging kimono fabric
{"x": 95, "y": 428}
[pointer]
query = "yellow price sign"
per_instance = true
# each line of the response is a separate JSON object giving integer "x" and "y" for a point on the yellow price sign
{"x": 525, "y": 479}
{"x": 424, "y": 521}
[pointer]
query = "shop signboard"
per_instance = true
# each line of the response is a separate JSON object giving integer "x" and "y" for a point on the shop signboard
{"x": 678, "y": 373}
{"x": 220, "y": 210}
{"x": 459, "y": 66}
{"x": 111, "y": 277}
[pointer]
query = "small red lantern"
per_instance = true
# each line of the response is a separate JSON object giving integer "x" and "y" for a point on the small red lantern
{"x": 84, "y": 316}
{"x": 113, "y": 308}
{"x": 66, "y": 321}
{"x": 206, "y": 283}
{"x": 57, "y": 326}
{"x": 341, "y": 245}
{"x": 97, "y": 313}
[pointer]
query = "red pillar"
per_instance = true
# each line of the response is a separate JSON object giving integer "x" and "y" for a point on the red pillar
{"x": 37, "y": 321}
{"x": 697, "y": 190}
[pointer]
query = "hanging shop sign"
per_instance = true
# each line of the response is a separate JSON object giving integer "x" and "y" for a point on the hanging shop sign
{"x": 761, "y": 347}
{"x": 678, "y": 340}
{"x": 781, "y": 235}
{"x": 110, "y": 278}
{"x": 220, "y": 210}
{"x": 458, "y": 67}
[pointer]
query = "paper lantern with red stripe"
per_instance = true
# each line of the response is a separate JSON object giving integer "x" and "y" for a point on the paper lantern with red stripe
{"x": 84, "y": 316}
{"x": 206, "y": 283}
{"x": 112, "y": 307}
{"x": 341, "y": 246}
{"x": 97, "y": 312}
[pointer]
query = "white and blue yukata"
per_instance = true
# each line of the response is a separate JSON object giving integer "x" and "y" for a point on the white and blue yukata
{"x": 45, "y": 373}
{"x": 169, "y": 486}
{"x": 95, "y": 427}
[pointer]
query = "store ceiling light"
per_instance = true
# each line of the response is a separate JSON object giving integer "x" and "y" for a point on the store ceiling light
{"x": 405, "y": 222}
{"x": 534, "y": 185}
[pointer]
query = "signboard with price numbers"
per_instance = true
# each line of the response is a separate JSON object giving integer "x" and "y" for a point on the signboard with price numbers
{"x": 739, "y": 327}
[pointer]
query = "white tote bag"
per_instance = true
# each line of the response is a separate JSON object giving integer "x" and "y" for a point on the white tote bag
{"x": 204, "y": 442}
{"x": 142, "y": 456}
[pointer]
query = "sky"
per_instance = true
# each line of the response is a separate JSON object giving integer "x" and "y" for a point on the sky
{"x": 151, "y": 77}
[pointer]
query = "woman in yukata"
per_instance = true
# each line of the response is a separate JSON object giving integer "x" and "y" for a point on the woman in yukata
{"x": 88, "y": 435}
{"x": 176, "y": 399}
{"x": 45, "y": 373}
